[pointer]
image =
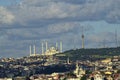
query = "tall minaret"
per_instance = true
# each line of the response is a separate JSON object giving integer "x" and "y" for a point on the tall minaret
{"x": 68, "y": 60}
{"x": 30, "y": 50}
{"x": 34, "y": 48}
{"x": 42, "y": 48}
{"x": 61, "y": 46}
{"x": 56, "y": 46}
{"x": 82, "y": 38}
{"x": 46, "y": 45}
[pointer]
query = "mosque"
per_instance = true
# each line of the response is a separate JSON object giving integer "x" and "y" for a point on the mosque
{"x": 47, "y": 51}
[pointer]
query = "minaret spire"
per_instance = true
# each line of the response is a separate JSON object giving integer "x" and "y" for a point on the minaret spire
{"x": 46, "y": 45}
{"x": 42, "y": 48}
{"x": 30, "y": 50}
{"x": 61, "y": 46}
{"x": 34, "y": 50}
{"x": 56, "y": 46}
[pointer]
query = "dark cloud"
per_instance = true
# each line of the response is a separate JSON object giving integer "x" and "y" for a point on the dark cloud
{"x": 52, "y": 11}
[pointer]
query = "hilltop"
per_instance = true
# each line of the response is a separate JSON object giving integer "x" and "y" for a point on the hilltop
{"x": 91, "y": 54}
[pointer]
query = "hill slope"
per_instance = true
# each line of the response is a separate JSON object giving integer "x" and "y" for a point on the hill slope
{"x": 80, "y": 54}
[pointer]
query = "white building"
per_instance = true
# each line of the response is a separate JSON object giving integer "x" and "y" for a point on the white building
{"x": 51, "y": 51}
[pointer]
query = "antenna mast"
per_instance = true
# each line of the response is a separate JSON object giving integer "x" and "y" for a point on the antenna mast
{"x": 82, "y": 38}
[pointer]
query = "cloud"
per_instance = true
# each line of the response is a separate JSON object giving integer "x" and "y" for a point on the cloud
{"x": 63, "y": 27}
{"x": 104, "y": 39}
{"x": 54, "y": 20}
{"x": 74, "y": 1}
{"x": 52, "y": 11}
{"x": 6, "y": 17}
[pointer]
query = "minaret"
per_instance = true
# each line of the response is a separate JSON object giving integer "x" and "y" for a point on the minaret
{"x": 30, "y": 50}
{"x": 46, "y": 45}
{"x": 77, "y": 69}
{"x": 34, "y": 48}
{"x": 42, "y": 48}
{"x": 68, "y": 60}
{"x": 82, "y": 39}
{"x": 56, "y": 46}
{"x": 61, "y": 46}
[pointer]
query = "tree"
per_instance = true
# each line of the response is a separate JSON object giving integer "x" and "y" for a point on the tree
{"x": 118, "y": 71}
{"x": 88, "y": 72}
{"x": 84, "y": 77}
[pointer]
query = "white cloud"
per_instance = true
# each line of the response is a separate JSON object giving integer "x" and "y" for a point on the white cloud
{"x": 6, "y": 17}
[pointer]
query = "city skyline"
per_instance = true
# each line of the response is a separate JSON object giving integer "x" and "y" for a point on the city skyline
{"x": 26, "y": 22}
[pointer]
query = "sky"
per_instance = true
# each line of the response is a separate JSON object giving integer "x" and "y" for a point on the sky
{"x": 31, "y": 22}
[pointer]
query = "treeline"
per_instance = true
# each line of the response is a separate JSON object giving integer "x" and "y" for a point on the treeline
{"x": 98, "y": 53}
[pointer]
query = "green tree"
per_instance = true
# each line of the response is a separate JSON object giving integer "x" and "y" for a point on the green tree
{"x": 84, "y": 77}
{"x": 118, "y": 71}
{"x": 88, "y": 72}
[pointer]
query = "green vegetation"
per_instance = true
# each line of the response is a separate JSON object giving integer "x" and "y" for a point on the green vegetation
{"x": 84, "y": 77}
{"x": 98, "y": 53}
{"x": 88, "y": 72}
{"x": 118, "y": 71}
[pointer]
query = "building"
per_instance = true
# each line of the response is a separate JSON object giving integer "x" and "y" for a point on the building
{"x": 51, "y": 51}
